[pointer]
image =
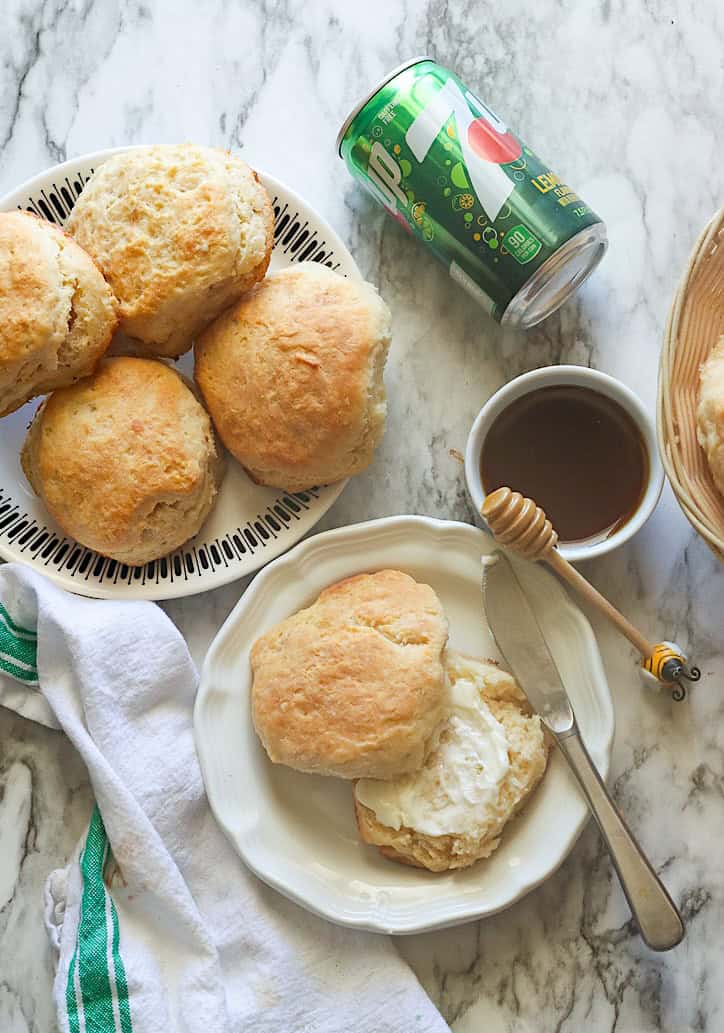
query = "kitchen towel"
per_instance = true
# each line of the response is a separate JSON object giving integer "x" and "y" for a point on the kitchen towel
{"x": 157, "y": 925}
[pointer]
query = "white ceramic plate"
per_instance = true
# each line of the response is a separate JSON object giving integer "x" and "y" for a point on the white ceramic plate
{"x": 249, "y": 525}
{"x": 297, "y": 832}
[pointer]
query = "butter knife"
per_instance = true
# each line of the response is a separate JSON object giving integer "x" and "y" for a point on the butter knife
{"x": 520, "y": 640}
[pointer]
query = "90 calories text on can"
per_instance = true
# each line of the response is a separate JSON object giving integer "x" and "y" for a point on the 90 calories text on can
{"x": 510, "y": 232}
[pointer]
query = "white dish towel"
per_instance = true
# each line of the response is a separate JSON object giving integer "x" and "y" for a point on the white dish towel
{"x": 158, "y": 926}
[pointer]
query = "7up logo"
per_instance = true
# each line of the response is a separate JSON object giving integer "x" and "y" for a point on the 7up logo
{"x": 485, "y": 143}
{"x": 386, "y": 175}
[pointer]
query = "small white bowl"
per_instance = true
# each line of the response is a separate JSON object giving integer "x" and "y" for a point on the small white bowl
{"x": 578, "y": 376}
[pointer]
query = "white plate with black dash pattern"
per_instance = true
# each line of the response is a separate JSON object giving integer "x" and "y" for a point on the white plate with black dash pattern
{"x": 250, "y": 524}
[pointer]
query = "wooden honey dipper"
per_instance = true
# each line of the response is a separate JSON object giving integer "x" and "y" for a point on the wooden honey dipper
{"x": 518, "y": 524}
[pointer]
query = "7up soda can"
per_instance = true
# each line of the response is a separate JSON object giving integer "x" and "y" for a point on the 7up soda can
{"x": 509, "y": 231}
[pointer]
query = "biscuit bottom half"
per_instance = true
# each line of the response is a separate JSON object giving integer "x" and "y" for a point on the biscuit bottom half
{"x": 490, "y": 755}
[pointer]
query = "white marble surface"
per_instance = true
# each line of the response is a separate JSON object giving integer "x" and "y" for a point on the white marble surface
{"x": 625, "y": 99}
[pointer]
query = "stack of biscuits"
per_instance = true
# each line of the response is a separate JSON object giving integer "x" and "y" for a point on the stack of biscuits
{"x": 441, "y": 749}
{"x": 168, "y": 248}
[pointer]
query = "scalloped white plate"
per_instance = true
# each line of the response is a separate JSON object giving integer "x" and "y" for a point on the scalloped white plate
{"x": 297, "y": 832}
{"x": 249, "y": 524}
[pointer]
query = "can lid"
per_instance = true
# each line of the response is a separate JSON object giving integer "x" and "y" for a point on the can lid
{"x": 558, "y": 277}
{"x": 368, "y": 96}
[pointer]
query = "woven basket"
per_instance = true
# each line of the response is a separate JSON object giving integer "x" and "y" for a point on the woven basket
{"x": 696, "y": 322}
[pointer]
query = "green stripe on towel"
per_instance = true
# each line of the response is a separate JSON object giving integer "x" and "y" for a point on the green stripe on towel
{"x": 102, "y": 984}
{"x": 96, "y": 993}
{"x": 6, "y": 619}
{"x": 11, "y": 667}
{"x": 71, "y": 1004}
{"x": 120, "y": 973}
{"x": 18, "y": 650}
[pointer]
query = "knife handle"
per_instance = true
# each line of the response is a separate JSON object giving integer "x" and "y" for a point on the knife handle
{"x": 655, "y": 913}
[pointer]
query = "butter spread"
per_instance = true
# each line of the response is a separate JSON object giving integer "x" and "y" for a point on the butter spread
{"x": 457, "y": 789}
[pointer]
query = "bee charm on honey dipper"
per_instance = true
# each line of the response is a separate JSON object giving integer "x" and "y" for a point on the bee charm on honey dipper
{"x": 519, "y": 525}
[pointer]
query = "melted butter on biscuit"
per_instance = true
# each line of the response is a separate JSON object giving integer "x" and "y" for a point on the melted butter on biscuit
{"x": 457, "y": 789}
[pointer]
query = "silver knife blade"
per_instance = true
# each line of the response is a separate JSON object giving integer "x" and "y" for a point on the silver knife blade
{"x": 519, "y": 638}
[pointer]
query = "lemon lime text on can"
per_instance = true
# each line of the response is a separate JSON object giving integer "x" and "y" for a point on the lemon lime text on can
{"x": 510, "y": 232}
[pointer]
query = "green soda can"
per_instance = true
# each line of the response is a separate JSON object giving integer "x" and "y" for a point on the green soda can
{"x": 509, "y": 231}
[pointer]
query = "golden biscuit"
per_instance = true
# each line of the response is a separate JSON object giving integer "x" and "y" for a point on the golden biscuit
{"x": 489, "y": 756}
{"x": 293, "y": 377}
{"x": 180, "y": 232}
{"x": 710, "y": 413}
{"x": 125, "y": 461}
{"x": 57, "y": 313}
{"x": 353, "y": 685}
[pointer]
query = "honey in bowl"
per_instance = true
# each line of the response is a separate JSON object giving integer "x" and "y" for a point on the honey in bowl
{"x": 577, "y": 453}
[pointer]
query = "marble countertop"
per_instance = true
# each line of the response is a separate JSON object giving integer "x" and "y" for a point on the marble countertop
{"x": 625, "y": 101}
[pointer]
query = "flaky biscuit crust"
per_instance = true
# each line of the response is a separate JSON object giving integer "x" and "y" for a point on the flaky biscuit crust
{"x": 180, "y": 232}
{"x": 57, "y": 313}
{"x": 710, "y": 413}
{"x": 528, "y": 754}
{"x": 125, "y": 461}
{"x": 293, "y": 377}
{"x": 353, "y": 685}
